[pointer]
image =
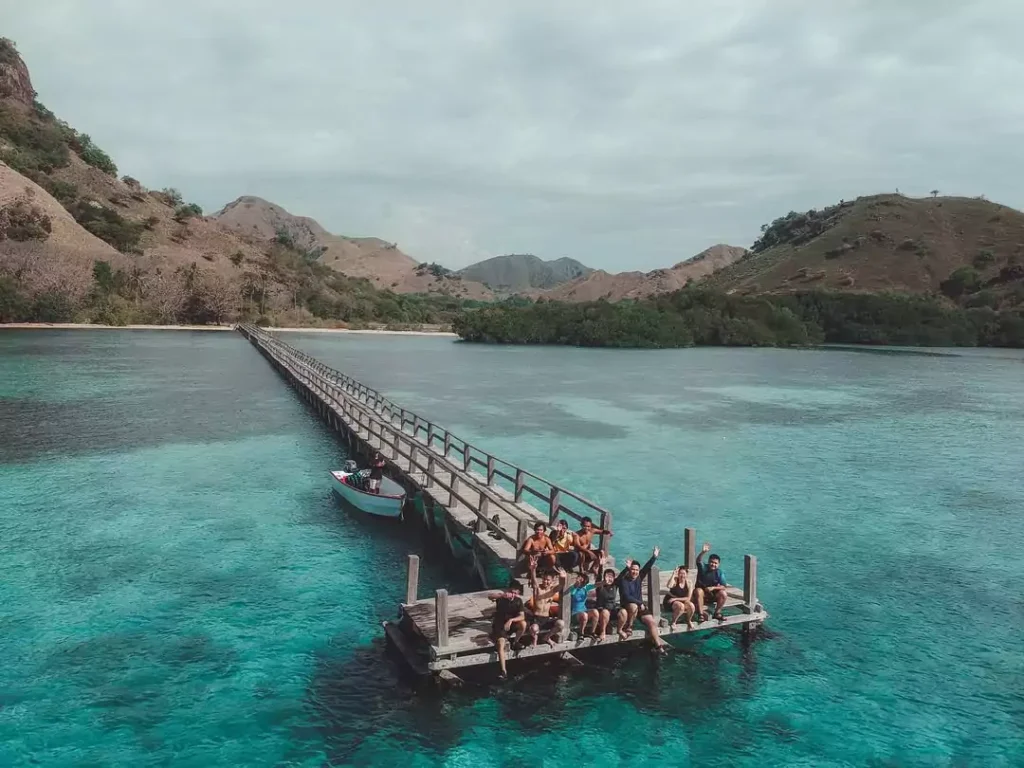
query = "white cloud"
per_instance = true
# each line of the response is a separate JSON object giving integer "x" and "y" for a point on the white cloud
{"x": 625, "y": 135}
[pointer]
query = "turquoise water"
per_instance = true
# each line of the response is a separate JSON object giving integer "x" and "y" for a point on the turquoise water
{"x": 178, "y": 587}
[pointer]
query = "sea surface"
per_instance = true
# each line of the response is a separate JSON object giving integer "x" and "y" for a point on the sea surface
{"x": 179, "y": 588}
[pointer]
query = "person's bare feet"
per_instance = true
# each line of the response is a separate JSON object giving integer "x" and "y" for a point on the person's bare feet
{"x": 689, "y": 626}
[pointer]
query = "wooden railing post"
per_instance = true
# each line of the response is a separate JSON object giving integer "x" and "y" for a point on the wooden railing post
{"x": 490, "y": 470}
{"x": 564, "y": 604}
{"x": 522, "y": 531}
{"x": 690, "y": 548}
{"x": 654, "y": 593}
{"x": 606, "y": 525}
{"x": 447, "y": 442}
{"x": 441, "y": 617}
{"x": 466, "y": 455}
{"x": 554, "y": 504}
{"x": 520, "y": 482}
{"x": 430, "y": 470}
{"x": 750, "y": 583}
{"x": 430, "y": 434}
{"x": 412, "y": 579}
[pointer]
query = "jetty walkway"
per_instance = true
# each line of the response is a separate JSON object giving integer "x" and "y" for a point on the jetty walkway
{"x": 481, "y": 505}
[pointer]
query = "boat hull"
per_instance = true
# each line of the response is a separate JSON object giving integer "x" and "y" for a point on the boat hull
{"x": 388, "y": 503}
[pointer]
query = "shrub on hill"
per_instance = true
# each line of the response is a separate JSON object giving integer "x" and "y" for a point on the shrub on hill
{"x": 798, "y": 228}
{"x": 31, "y": 146}
{"x": 95, "y": 156}
{"x": 108, "y": 225}
{"x": 20, "y": 221}
{"x": 187, "y": 211}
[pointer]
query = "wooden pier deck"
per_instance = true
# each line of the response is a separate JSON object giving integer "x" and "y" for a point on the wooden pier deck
{"x": 482, "y": 506}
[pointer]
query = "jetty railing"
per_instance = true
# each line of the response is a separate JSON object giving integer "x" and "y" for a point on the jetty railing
{"x": 393, "y": 425}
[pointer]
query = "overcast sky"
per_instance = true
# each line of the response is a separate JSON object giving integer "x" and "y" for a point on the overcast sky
{"x": 628, "y": 135}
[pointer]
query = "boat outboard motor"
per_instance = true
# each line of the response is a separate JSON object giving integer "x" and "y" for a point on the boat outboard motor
{"x": 350, "y": 466}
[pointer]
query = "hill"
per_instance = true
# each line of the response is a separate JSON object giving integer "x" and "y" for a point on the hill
{"x": 523, "y": 272}
{"x": 970, "y": 249}
{"x": 382, "y": 263}
{"x": 79, "y": 243}
{"x": 636, "y": 285}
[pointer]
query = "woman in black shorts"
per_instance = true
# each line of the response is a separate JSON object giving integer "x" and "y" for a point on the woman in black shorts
{"x": 606, "y": 601}
{"x": 679, "y": 599}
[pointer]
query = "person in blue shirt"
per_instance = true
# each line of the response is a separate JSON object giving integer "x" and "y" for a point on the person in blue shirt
{"x": 581, "y": 614}
{"x": 710, "y": 586}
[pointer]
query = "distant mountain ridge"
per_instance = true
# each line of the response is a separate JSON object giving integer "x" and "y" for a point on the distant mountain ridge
{"x": 377, "y": 260}
{"x": 524, "y": 272}
{"x": 637, "y": 285}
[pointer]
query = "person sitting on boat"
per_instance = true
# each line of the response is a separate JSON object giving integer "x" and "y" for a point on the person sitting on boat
{"x": 589, "y": 560}
{"x": 542, "y": 608}
{"x": 563, "y": 541}
{"x": 376, "y": 472}
{"x": 606, "y": 601}
{"x": 679, "y": 600}
{"x": 509, "y": 622}
{"x": 537, "y": 551}
{"x": 583, "y": 615}
{"x": 631, "y": 600}
{"x": 711, "y": 585}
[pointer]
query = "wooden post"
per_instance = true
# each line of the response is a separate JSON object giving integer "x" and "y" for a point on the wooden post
{"x": 606, "y": 525}
{"x": 485, "y": 505}
{"x": 490, "y": 470}
{"x": 522, "y": 531}
{"x": 416, "y": 427}
{"x": 554, "y": 503}
{"x": 447, "y": 443}
{"x": 750, "y": 583}
{"x": 520, "y": 482}
{"x": 466, "y": 454}
{"x": 564, "y": 604}
{"x": 412, "y": 579}
{"x": 441, "y": 617}
{"x": 654, "y": 593}
{"x": 690, "y": 548}
{"x": 430, "y": 471}
{"x": 430, "y": 434}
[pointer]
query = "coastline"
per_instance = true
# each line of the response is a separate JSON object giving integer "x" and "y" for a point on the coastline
{"x": 100, "y": 327}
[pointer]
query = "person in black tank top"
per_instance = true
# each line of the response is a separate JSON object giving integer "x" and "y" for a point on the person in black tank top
{"x": 679, "y": 599}
{"x": 606, "y": 601}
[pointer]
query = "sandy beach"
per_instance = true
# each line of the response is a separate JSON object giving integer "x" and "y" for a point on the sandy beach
{"x": 92, "y": 326}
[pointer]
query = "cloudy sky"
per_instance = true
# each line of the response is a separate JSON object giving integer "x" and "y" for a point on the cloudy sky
{"x": 629, "y": 135}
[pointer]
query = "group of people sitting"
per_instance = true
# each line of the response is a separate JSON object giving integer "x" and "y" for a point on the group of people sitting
{"x": 546, "y": 559}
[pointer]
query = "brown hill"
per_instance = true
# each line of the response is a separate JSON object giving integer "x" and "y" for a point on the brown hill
{"x": 127, "y": 254}
{"x": 883, "y": 243}
{"x": 377, "y": 260}
{"x": 637, "y": 285}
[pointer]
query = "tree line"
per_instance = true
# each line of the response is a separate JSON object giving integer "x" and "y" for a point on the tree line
{"x": 697, "y": 317}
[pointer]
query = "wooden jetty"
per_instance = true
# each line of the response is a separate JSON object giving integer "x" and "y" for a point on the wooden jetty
{"x": 482, "y": 506}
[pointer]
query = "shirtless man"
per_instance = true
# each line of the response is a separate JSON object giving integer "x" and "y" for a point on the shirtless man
{"x": 540, "y": 605}
{"x": 537, "y": 550}
{"x": 589, "y": 558}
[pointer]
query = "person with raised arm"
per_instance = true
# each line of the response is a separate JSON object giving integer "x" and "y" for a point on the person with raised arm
{"x": 543, "y": 608}
{"x": 509, "y": 622}
{"x": 679, "y": 599}
{"x": 711, "y": 585}
{"x": 631, "y": 600}
{"x": 376, "y": 472}
{"x": 579, "y": 593}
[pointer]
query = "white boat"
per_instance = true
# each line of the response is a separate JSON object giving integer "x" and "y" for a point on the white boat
{"x": 387, "y": 503}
